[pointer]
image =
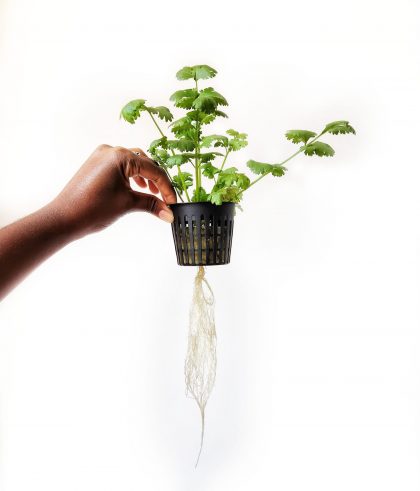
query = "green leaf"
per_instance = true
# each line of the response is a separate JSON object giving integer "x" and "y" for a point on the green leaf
{"x": 230, "y": 194}
{"x": 236, "y": 134}
{"x": 209, "y": 156}
{"x": 216, "y": 196}
{"x": 242, "y": 181}
{"x": 278, "y": 170}
{"x": 184, "y": 98}
{"x": 299, "y": 136}
{"x": 183, "y": 144}
{"x": 227, "y": 177}
{"x": 131, "y": 111}
{"x": 221, "y": 114}
{"x": 182, "y": 126}
{"x": 259, "y": 167}
{"x": 196, "y": 72}
{"x": 238, "y": 141}
{"x": 186, "y": 177}
{"x": 161, "y": 156}
{"x": 214, "y": 140}
{"x": 201, "y": 117}
{"x": 178, "y": 159}
{"x": 318, "y": 148}
{"x": 337, "y": 127}
{"x": 207, "y": 118}
{"x": 199, "y": 195}
{"x": 159, "y": 143}
{"x": 208, "y": 100}
{"x": 204, "y": 118}
{"x": 162, "y": 112}
{"x": 209, "y": 170}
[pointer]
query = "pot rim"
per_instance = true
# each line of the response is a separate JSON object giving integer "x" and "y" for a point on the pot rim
{"x": 201, "y": 203}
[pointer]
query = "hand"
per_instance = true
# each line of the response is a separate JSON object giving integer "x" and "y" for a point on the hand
{"x": 100, "y": 192}
{"x": 96, "y": 196}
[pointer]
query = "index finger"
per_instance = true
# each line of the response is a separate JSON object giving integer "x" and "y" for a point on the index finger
{"x": 148, "y": 169}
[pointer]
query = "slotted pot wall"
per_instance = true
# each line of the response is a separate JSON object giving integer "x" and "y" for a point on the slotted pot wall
{"x": 203, "y": 233}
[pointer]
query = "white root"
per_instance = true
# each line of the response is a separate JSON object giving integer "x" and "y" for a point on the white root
{"x": 201, "y": 361}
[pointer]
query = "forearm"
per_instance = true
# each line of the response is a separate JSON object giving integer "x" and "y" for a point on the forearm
{"x": 28, "y": 242}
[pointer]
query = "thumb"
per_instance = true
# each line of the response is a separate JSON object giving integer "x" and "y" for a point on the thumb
{"x": 153, "y": 205}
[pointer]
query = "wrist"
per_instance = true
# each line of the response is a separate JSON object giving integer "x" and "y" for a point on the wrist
{"x": 59, "y": 224}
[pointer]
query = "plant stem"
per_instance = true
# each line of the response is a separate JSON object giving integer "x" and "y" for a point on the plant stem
{"x": 256, "y": 180}
{"x": 197, "y": 143}
{"x": 221, "y": 168}
{"x": 224, "y": 160}
{"x": 284, "y": 161}
{"x": 179, "y": 168}
{"x": 184, "y": 187}
{"x": 157, "y": 126}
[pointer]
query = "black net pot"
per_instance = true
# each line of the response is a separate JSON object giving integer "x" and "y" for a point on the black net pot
{"x": 203, "y": 233}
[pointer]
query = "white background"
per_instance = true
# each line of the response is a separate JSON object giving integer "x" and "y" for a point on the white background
{"x": 318, "y": 313}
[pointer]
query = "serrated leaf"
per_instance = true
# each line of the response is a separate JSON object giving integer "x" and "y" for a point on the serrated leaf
{"x": 318, "y": 148}
{"x": 230, "y": 170}
{"x": 160, "y": 155}
{"x": 183, "y": 144}
{"x": 208, "y": 100}
{"x": 259, "y": 167}
{"x": 231, "y": 176}
{"x": 131, "y": 111}
{"x": 199, "y": 194}
{"x": 236, "y": 134}
{"x": 299, "y": 136}
{"x": 207, "y": 118}
{"x": 182, "y": 126}
{"x": 339, "y": 127}
{"x": 162, "y": 113}
{"x": 278, "y": 170}
{"x": 186, "y": 177}
{"x": 229, "y": 194}
{"x": 214, "y": 140}
{"x": 178, "y": 159}
{"x": 159, "y": 143}
{"x": 238, "y": 141}
{"x": 221, "y": 114}
{"x": 209, "y": 170}
{"x": 216, "y": 197}
{"x": 204, "y": 118}
{"x": 242, "y": 181}
{"x": 196, "y": 72}
{"x": 184, "y": 98}
{"x": 227, "y": 177}
{"x": 209, "y": 156}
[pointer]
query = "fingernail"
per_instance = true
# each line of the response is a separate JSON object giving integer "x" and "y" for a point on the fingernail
{"x": 166, "y": 215}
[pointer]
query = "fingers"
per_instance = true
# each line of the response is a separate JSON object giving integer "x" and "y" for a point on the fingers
{"x": 153, "y": 205}
{"x": 153, "y": 187}
{"x": 140, "y": 181}
{"x": 140, "y": 151}
{"x": 146, "y": 168}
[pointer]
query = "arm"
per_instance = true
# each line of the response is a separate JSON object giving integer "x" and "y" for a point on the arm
{"x": 94, "y": 198}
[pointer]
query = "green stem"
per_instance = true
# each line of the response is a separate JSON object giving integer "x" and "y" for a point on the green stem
{"x": 154, "y": 120}
{"x": 184, "y": 187}
{"x": 197, "y": 143}
{"x": 284, "y": 161}
{"x": 221, "y": 168}
{"x": 256, "y": 180}
{"x": 224, "y": 160}
{"x": 173, "y": 153}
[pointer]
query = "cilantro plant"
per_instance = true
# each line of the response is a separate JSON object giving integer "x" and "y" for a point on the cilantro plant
{"x": 196, "y": 161}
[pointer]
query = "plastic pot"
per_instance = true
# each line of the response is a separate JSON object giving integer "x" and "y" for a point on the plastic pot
{"x": 203, "y": 233}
